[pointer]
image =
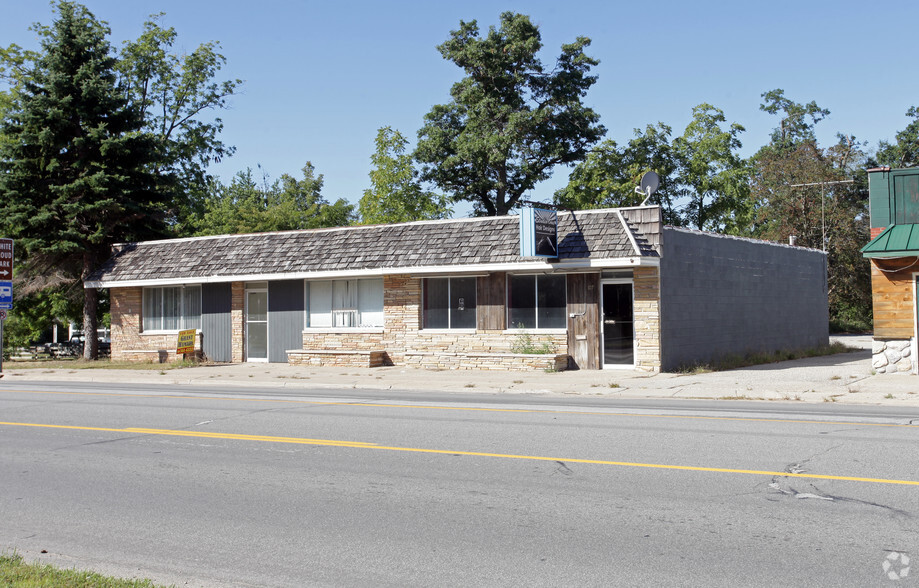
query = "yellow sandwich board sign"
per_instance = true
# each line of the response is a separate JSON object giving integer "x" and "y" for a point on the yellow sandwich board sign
{"x": 186, "y": 343}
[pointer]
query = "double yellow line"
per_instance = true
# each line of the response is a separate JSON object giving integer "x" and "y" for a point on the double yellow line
{"x": 362, "y": 445}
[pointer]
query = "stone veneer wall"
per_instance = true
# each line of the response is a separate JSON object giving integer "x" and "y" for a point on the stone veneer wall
{"x": 237, "y": 306}
{"x": 126, "y": 304}
{"x": 647, "y": 317}
{"x": 406, "y": 344}
{"x": 128, "y": 343}
{"x": 893, "y": 356}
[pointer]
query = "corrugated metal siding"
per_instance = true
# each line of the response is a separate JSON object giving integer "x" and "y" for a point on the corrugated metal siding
{"x": 285, "y": 318}
{"x": 216, "y": 326}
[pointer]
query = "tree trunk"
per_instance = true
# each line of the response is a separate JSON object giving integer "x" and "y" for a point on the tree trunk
{"x": 90, "y": 303}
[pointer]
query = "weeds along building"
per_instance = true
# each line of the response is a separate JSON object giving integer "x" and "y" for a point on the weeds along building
{"x": 624, "y": 291}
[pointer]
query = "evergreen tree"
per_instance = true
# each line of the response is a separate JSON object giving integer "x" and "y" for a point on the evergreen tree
{"x": 74, "y": 163}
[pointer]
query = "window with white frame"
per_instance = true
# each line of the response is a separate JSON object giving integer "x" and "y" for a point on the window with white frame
{"x": 172, "y": 308}
{"x": 537, "y": 302}
{"x": 449, "y": 303}
{"x": 344, "y": 303}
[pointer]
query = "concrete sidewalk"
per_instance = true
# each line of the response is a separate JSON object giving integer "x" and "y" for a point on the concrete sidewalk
{"x": 844, "y": 378}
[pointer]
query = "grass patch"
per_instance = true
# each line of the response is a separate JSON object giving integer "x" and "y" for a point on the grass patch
{"x": 730, "y": 362}
{"x": 15, "y": 573}
{"x": 99, "y": 364}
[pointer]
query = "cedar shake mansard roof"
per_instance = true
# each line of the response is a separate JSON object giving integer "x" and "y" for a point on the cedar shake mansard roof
{"x": 586, "y": 239}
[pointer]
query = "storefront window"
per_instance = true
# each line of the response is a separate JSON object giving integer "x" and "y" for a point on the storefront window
{"x": 172, "y": 308}
{"x": 536, "y": 302}
{"x": 345, "y": 303}
{"x": 449, "y": 303}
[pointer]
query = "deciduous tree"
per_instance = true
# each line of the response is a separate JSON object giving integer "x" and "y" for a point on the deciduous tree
{"x": 610, "y": 173}
{"x": 904, "y": 151}
{"x": 510, "y": 121}
{"x": 396, "y": 194}
{"x": 824, "y": 215}
{"x": 246, "y": 205}
{"x": 176, "y": 95}
{"x": 712, "y": 176}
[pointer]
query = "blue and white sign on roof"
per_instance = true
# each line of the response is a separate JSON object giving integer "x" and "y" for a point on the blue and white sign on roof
{"x": 538, "y": 232}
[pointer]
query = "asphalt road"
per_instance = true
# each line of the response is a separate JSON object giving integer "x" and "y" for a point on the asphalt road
{"x": 203, "y": 487}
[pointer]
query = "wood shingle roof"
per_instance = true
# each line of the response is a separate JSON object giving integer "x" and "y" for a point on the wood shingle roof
{"x": 585, "y": 235}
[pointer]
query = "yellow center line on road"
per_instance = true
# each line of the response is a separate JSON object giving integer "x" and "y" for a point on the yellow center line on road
{"x": 470, "y": 408}
{"x": 362, "y": 445}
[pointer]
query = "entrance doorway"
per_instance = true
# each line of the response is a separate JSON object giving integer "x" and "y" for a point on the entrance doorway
{"x": 257, "y": 323}
{"x": 617, "y": 326}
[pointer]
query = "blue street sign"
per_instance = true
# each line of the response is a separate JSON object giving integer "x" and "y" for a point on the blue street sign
{"x": 6, "y": 295}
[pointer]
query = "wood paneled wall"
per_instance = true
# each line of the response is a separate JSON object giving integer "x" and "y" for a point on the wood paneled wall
{"x": 893, "y": 295}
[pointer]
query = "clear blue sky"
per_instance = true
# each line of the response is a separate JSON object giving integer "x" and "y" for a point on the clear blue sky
{"x": 322, "y": 77}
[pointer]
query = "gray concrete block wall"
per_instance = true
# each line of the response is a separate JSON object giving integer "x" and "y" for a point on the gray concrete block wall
{"x": 725, "y": 296}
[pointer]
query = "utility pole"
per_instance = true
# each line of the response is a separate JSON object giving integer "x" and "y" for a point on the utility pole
{"x": 823, "y": 186}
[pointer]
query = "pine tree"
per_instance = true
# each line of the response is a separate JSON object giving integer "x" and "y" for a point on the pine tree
{"x": 74, "y": 163}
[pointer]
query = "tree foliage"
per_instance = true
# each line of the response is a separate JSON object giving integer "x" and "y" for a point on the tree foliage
{"x": 175, "y": 94}
{"x": 610, "y": 173}
{"x": 510, "y": 121}
{"x": 904, "y": 152}
{"x": 711, "y": 174}
{"x": 825, "y": 215}
{"x": 396, "y": 194}
{"x": 246, "y": 205}
{"x": 797, "y": 121}
{"x": 704, "y": 181}
{"x": 74, "y": 163}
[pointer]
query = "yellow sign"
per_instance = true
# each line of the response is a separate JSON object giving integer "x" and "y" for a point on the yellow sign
{"x": 186, "y": 342}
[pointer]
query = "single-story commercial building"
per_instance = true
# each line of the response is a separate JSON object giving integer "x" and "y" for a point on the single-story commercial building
{"x": 893, "y": 196}
{"x": 624, "y": 291}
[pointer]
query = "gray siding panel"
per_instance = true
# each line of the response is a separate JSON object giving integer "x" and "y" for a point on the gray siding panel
{"x": 216, "y": 326}
{"x": 285, "y": 318}
{"x": 725, "y": 296}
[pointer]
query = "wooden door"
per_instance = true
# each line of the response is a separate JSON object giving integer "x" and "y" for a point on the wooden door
{"x": 583, "y": 321}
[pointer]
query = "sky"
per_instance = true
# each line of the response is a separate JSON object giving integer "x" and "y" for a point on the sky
{"x": 321, "y": 77}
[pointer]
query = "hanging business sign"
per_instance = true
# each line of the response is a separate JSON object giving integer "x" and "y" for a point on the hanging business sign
{"x": 538, "y": 232}
{"x": 6, "y": 274}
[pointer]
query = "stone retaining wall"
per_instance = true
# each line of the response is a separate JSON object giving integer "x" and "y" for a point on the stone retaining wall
{"x": 893, "y": 356}
{"x": 523, "y": 362}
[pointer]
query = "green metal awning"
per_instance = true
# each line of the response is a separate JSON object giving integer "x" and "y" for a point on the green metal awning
{"x": 895, "y": 241}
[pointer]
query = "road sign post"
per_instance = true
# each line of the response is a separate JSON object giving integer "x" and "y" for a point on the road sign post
{"x": 6, "y": 287}
{"x": 6, "y": 274}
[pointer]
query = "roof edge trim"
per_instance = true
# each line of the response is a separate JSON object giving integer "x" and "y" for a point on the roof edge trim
{"x": 580, "y": 264}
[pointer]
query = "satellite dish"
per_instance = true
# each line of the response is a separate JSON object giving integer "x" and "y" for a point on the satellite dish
{"x": 648, "y": 185}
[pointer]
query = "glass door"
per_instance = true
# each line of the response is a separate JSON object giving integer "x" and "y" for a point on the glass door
{"x": 257, "y": 325}
{"x": 618, "y": 328}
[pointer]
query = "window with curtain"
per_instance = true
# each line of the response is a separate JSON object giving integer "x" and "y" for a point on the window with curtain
{"x": 537, "y": 302}
{"x": 345, "y": 303}
{"x": 449, "y": 303}
{"x": 172, "y": 308}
